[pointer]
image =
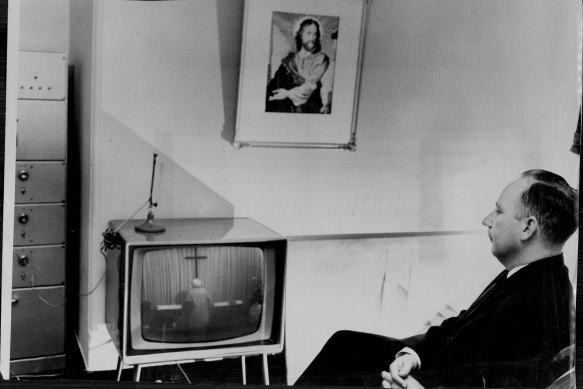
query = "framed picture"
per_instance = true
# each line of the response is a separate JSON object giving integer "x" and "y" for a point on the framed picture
{"x": 300, "y": 73}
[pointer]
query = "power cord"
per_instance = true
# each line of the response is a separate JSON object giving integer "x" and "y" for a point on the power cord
{"x": 111, "y": 241}
{"x": 41, "y": 298}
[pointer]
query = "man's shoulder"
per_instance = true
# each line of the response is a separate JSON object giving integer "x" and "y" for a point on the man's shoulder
{"x": 544, "y": 280}
{"x": 545, "y": 268}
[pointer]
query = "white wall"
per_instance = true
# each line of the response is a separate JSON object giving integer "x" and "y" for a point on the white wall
{"x": 450, "y": 92}
{"x": 457, "y": 99}
{"x": 44, "y": 25}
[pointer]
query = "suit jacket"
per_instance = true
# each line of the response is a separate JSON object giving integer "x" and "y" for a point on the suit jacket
{"x": 508, "y": 336}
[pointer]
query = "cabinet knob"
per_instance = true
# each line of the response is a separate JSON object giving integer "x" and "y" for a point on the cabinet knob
{"x": 23, "y": 175}
{"x": 23, "y": 260}
{"x": 14, "y": 299}
{"x": 23, "y": 218}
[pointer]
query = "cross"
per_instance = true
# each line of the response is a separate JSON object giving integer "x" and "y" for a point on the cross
{"x": 196, "y": 258}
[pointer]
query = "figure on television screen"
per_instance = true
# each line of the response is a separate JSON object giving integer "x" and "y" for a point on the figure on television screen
{"x": 295, "y": 87}
{"x": 200, "y": 306}
{"x": 255, "y": 300}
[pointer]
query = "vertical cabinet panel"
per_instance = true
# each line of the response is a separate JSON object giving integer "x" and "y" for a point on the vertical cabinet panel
{"x": 38, "y": 266}
{"x": 41, "y": 130}
{"x": 38, "y": 322}
{"x": 42, "y": 76}
{"x": 40, "y": 215}
{"x": 40, "y": 182}
{"x": 39, "y": 224}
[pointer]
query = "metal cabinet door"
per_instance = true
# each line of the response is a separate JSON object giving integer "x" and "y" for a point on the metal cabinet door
{"x": 39, "y": 224}
{"x": 42, "y": 76}
{"x": 41, "y": 130}
{"x": 38, "y": 322}
{"x": 38, "y": 266}
{"x": 40, "y": 182}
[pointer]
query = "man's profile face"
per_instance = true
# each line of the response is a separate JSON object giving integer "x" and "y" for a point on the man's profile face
{"x": 309, "y": 37}
{"x": 504, "y": 222}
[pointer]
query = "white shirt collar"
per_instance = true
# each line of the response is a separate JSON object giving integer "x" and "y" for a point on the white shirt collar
{"x": 514, "y": 270}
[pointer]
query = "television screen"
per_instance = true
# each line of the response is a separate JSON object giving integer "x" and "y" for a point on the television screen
{"x": 201, "y": 294}
{"x": 204, "y": 288}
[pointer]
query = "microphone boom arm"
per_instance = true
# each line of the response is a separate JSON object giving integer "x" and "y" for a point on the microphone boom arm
{"x": 148, "y": 226}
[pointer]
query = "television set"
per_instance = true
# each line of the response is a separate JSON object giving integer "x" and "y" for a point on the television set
{"x": 202, "y": 289}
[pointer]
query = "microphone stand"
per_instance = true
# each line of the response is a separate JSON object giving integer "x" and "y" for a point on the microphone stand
{"x": 149, "y": 226}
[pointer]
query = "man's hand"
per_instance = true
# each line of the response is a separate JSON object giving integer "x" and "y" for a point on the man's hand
{"x": 412, "y": 383}
{"x": 399, "y": 372}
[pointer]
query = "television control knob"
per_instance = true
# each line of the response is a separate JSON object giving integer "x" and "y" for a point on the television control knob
{"x": 23, "y": 175}
{"x": 23, "y": 260}
{"x": 23, "y": 218}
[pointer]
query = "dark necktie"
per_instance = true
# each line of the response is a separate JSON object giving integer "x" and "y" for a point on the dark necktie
{"x": 498, "y": 281}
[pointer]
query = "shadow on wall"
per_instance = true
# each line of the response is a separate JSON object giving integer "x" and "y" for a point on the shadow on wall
{"x": 230, "y": 23}
{"x": 185, "y": 196}
{"x": 127, "y": 172}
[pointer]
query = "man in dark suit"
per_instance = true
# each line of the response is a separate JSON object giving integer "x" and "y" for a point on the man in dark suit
{"x": 509, "y": 336}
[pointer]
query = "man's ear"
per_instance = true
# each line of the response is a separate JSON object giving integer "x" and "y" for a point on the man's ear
{"x": 529, "y": 228}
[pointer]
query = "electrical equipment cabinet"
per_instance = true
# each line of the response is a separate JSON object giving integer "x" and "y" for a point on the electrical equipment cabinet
{"x": 40, "y": 217}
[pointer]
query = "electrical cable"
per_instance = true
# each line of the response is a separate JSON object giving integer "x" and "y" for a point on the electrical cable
{"x": 94, "y": 288}
{"x": 110, "y": 241}
{"x": 34, "y": 288}
{"x": 110, "y": 236}
{"x": 133, "y": 214}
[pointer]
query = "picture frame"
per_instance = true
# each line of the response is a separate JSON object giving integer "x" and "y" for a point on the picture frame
{"x": 300, "y": 73}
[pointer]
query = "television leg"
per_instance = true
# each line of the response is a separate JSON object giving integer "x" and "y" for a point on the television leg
{"x": 137, "y": 372}
{"x": 119, "y": 368}
{"x": 265, "y": 370}
{"x": 244, "y": 369}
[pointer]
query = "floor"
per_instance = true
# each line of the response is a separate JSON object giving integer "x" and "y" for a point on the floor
{"x": 223, "y": 372}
